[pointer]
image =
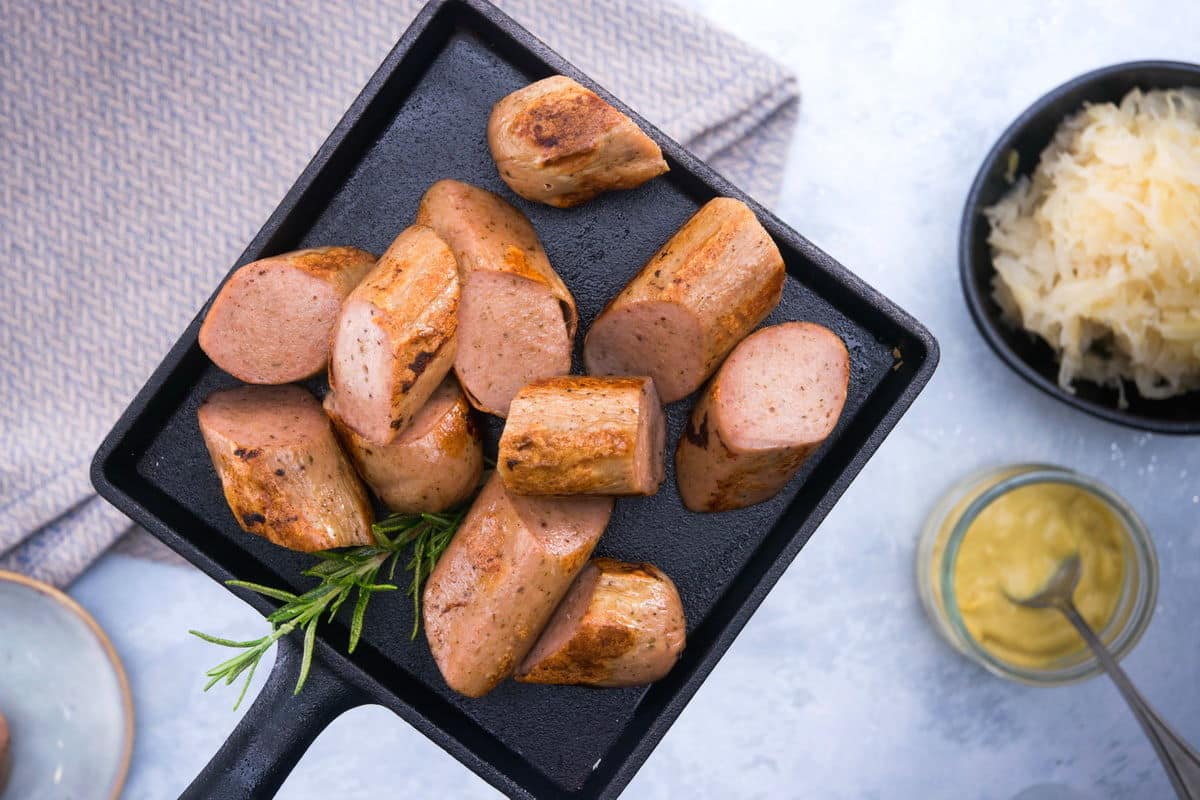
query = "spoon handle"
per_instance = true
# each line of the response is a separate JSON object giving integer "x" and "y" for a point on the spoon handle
{"x": 1181, "y": 762}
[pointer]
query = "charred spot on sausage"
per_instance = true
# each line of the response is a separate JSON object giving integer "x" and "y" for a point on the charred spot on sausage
{"x": 253, "y": 519}
{"x": 698, "y": 435}
{"x": 421, "y": 361}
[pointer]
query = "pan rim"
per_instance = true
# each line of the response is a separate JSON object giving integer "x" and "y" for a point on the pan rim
{"x": 919, "y": 359}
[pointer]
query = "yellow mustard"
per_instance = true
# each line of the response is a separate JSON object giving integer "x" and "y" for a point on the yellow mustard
{"x": 1013, "y": 547}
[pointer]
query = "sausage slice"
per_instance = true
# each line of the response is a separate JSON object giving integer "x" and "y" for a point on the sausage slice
{"x": 284, "y": 476}
{"x": 434, "y": 464}
{"x": 559, "y": 143}
{"x": 620, "y": 624}
{"x": 717, "y": 278}
{"x": 271, "y": 321}
{"x": 498, "y": 582}
{"x": 580, "y": 435}
{"x": 395, "y": 338}
{"x": 517, "y": 319}
{"x": 775, "y": 400}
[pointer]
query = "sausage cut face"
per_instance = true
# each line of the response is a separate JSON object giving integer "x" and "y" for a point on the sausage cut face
{"x": 786, "y": 386}
{"x": 658, "y": 338}
{"x": 512, "y": 334}
{"x": 365, "y": 365}
{"x": 517, "y": 319}
{"x": 774, "y": 401}
{"x": 271, "y": 321}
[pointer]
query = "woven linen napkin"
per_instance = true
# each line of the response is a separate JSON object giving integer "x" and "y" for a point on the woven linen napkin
{"x": 143, "y": 144}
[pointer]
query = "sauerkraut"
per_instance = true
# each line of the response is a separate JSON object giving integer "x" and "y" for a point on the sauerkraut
{"x": 1099, "y": 254}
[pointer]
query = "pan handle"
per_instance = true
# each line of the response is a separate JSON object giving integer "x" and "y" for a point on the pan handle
{"x": 276, "y": 730}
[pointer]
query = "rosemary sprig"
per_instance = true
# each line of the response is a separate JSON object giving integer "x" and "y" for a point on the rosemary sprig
{"x": 342, "y": 573}
{"x": 428, "y": 547}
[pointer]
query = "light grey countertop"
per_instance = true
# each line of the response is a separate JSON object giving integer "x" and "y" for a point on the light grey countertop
{"x": 838, "y": 688}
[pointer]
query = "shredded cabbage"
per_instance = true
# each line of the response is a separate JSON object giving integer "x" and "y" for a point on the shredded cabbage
{"x": 1099, "y": 254}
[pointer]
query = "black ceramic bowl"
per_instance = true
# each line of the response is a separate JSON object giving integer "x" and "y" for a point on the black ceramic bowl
{"x": 1030, "y": 356}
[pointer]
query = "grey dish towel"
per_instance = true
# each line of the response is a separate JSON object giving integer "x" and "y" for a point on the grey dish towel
{"x": 143, "y": 144}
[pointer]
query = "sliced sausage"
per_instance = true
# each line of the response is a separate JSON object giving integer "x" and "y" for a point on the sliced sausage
{"x": 284, "y": 476}
{"x": 271, "y": 321}
{"x": 774, "y": 401}
{"x": 559, "y": 143}
{"x": 580, "y": 435}
{"x": 717, "y": 278}
{"x": 620, "y": 624}
{"x": 434, "y": 464}
{"x": 508, "y": 566}
{"x": 517, "y": 319}
{"x": 395, "y": 338}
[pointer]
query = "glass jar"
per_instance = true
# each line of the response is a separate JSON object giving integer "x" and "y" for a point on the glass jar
{"x": 948, "y": 524}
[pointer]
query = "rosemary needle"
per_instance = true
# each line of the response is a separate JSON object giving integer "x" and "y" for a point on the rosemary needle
{"x": 341, "y": 573}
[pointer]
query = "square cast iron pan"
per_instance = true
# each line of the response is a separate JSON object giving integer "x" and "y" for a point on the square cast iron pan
{"x": 420, "y": 118}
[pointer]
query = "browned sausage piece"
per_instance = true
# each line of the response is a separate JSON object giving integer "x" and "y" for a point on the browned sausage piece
{"x": 498, "y": 582}
{"x": 271, "y": 321}
{"x": 621, "y": 624}
{"x": 558, "y": 143}
{"x": 5, "y": 752}
{"x": 517, "y": 320}
{"x": 710, "y": 285}
{"x": 774, "y": 401}
{"x": 284, "y": 476}
{"x": 434, "y": 464}
{"x": 395, "y": 338}
{"x": 580, "y": 435}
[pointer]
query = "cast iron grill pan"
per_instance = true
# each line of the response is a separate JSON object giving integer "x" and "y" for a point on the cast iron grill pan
{"x": 422, "y": 117}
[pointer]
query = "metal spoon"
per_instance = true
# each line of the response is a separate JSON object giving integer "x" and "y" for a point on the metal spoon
{"x": 1181, "y": 762}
